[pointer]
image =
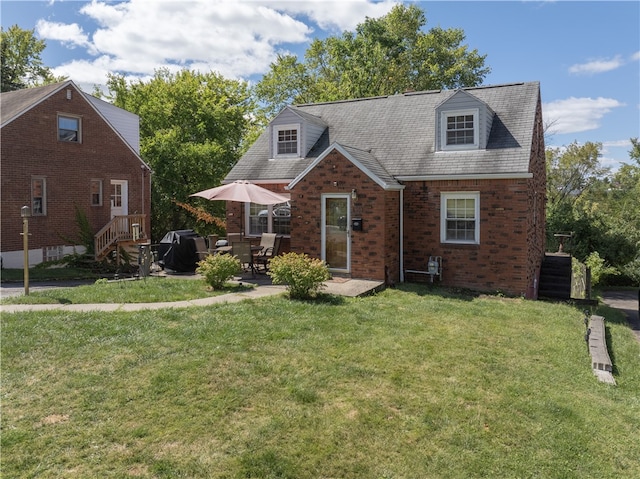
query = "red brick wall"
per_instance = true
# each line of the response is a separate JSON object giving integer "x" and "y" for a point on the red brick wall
{"x": 499, "y": 262}
{"x": 537, "y": 190}
{"x": 374, "y": 250}
{"x": 30, "y": 147}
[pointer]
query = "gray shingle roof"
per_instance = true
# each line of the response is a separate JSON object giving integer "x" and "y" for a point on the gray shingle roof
{"x": 398, "y": 134}
{"x": 14, "y": 103}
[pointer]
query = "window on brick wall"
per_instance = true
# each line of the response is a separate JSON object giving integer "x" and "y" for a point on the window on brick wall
{"x": 460, "y": 218}
{"x": 38, "y": 196}
{"x": 96, "y": 192}
{"x": 69, "y": 128}
{"x": 268, "y": 219}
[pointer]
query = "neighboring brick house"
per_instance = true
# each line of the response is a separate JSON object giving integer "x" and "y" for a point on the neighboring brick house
{"x": 380, "y": 185}
{"x": 63, "y": 149}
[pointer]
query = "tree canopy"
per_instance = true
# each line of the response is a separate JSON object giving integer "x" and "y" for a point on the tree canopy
{"x": 192, "y": 127}
{"x": 22, "y": 65}
{"x": 601, "y": 208}
{"x": 384, "y": 56}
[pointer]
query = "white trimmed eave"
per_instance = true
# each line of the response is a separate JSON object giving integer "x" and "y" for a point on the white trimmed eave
{"x": 468, "y": 176}
{"x": 348, "y": 156}
{"x": 35, "y": 103}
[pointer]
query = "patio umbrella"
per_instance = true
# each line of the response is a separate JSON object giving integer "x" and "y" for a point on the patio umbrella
{"x": 242, "y": 191}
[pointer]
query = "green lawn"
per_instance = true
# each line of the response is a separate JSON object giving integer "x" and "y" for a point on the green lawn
{"x": 409, "y": 383}
{"x": 47, "y": 274}
{"x": 149, "y": 290}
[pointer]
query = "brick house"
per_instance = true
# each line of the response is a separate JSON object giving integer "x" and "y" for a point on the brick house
{"x": 63, "y": 149}
{"x": 379, "y": 186}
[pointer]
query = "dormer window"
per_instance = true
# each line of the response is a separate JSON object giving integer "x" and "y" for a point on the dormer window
{"x": 287, "y": 140}
{"x": 459, "y": 129}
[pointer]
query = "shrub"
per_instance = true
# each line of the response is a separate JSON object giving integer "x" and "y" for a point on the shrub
{"x": 218, "y": 269}
{"x": 599, "y": 268}
{"x": 302, "y": 274}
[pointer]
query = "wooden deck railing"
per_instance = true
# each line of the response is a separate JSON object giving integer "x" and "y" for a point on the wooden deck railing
{"x": 119, "y": 229}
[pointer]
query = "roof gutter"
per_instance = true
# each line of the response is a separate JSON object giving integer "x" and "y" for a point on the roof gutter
{"x": 468, "y": 176}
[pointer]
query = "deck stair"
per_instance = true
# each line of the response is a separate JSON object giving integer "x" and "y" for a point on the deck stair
{"x": 121, "y": 233}
{"x": 555, "y": 276}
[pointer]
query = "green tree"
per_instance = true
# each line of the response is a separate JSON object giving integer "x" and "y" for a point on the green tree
{"x": 192, "y": 127}
{"x": 571, "y": 171}
{"x": 22, "y": 65}
{"x": 383, "y": 56}
{"x": 601, "y": 208}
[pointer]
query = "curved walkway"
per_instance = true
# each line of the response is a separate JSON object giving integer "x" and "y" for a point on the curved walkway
{"x": 351, "y": 287}
{"x": 257, "y": 292}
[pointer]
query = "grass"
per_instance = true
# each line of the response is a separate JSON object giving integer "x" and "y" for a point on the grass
{"x": 149, "y": 290}
{"x": 409, "y": 383}
{"x": 47, "y": 274}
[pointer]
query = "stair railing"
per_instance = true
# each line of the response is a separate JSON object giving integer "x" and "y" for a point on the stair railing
{"x": 120, "y": 228}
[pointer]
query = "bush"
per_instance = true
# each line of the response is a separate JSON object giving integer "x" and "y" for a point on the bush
{"x": 218, "y": 269}
{"x": 302, "y": 274}
{"x": 599, "y": 269}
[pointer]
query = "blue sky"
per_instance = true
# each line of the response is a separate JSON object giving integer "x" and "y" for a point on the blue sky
{"x": 586, "y": 55}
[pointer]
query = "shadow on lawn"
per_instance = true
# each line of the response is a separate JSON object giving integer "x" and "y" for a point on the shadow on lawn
{"x": 434, "y": 289}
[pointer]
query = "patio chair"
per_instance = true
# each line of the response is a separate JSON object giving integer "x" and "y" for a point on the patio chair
{"x": 201, "y": 248}
{"x": 242, "y": 250}
{"x": 233, "y": 237}
{"x": 213, "y": 239}
{"x": 270, "y": 242}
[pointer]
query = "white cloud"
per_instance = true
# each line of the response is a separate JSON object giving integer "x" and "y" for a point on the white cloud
{"x": 635, "y": 57}
{"x": 597, "y": 66}
{"x": 336, "y": 15}
{"x": 573, "y": 115}
{"x": 237, "y": 38}
{"x": 70, "y": 34}
{"x": 616, "y": 144}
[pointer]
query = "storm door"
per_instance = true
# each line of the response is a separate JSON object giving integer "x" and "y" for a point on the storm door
{"x": 336, "y": 221}
{"x": 119, "y": 198}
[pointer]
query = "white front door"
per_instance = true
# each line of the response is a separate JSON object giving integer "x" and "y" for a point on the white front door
{"x": 119, "y": 198}
{"x": 336, "y": 232}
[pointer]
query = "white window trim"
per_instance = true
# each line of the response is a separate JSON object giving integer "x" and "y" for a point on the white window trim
{"x": 44, "y": 196}
{"x": 476, "y": 129}
{"x": 74, "y": 117}
{"x": 270, "y": 226}
{"x": 475, "y": 195}
{"x": 100, "y": 192}
{"x": 277, "y": 129}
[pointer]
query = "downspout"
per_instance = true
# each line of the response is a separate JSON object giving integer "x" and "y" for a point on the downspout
{"x": 401, "y": 262}
{"x": 142, "y": 185}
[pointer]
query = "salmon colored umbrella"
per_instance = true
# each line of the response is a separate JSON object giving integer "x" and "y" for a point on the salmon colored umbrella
{"x": 243, "y": 191}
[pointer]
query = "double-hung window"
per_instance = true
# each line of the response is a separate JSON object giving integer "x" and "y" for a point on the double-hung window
{"x": 69, "y": 128}
{"x": 459, "y": 130}
{"x": 96, "y": 192}
{"x": 38, "y": 196}
{"x": 460, "y": 218}
{"x": 286, "y": 140}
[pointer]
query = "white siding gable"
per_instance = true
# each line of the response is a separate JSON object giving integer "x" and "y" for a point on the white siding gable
{"x": 309, "y": 130}
{"x": 464, "y": 103}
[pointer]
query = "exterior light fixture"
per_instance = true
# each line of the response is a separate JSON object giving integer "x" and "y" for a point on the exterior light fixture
{"x": 354, "y": 195}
